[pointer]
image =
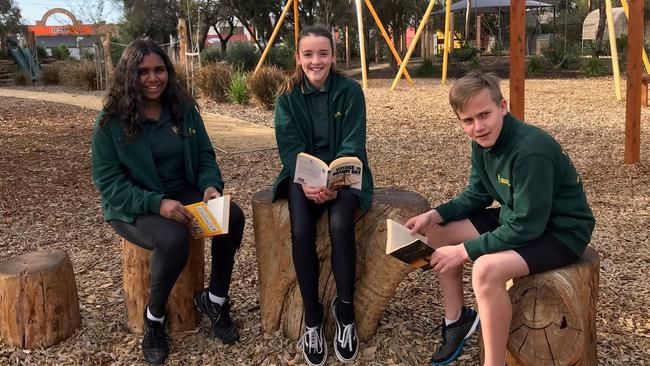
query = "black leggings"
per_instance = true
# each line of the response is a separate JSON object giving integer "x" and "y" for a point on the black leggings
{"x": 168, "y": 240}
{"x": 304, "y": 215}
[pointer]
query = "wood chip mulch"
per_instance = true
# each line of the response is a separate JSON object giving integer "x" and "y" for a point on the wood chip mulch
{"x": 47, "y": 200}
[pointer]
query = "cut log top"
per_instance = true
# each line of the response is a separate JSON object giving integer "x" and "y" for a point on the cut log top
{"x": 34, "y": 262}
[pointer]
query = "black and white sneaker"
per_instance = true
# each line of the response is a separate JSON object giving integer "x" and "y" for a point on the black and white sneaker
{"x": 454, "y": 337}
{"x": 219, "y": 315}
{"x": 313, "y": 346}
{"x": 155, "y": 346}
{"x": 346, "y": 342}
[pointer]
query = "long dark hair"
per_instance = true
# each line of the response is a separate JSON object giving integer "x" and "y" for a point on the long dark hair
{"x": 316, "y": 30}
{"x": 125, "y": 99}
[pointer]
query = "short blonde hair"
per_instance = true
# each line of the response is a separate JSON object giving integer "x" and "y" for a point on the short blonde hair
{"x": 471, "y": 84}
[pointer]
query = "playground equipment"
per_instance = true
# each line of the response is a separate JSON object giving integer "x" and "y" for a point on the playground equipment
{"x": 26, "y": 61}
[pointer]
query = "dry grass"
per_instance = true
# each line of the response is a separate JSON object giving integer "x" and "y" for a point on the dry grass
{"x": 47, "y": 201}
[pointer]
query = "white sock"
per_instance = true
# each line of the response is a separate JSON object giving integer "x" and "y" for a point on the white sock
{"x": 217, "y": 299}
{"x": 151, "y": 317}
{"x": 450, "y": 322}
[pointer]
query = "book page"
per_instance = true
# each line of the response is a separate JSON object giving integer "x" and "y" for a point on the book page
{"x": 220, "y": 209}
{"x": 345, "y": 172}
{"x": 310, "y": 171}
{"x": 399, "y": 236}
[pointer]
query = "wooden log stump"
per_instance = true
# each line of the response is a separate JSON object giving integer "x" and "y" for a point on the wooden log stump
{"x": 181, "y": 313}
{"x": 554, "y": 316}
{"x": 378, "y": 275}
{"x": 39, "y": 306}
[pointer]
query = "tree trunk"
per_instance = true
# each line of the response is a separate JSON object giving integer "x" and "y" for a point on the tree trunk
{"x": 554, "y": 316}
{"x": 181, "y": 314}
{"x": 39, "y": 306}
{"x": 598, "y": 46}
{"x": 378, "y": 274}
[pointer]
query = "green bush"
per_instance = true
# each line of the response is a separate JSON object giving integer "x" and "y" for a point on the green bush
{"x": 21, "y": 78}
{"x": 213, "y": 80}
{"x": 595, "y": 67}
{"x": 242, "y": 55}
{"x": 282, "y": 56}
{"x": 88, "y": 55}
{"x": 61, "y": 52}
{"x": 83, "y": 75}
{"x": 464, "y": 53}
{"x": 555, "y": 55}
{"x": 237, "y": 90}
{"x": 41, "y": 53}
{"x": 426, "y": 69}
{"x": 535, "y": 66}
{"x": 211, "y": 54}
{"x": 264, "y": 85}
{"x": 50, "y": 75}
{"x": 3, "y": 54}
{"x": 474, "y": 64}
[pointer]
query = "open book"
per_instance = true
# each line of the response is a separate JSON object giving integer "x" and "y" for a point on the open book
{"x": 210, "y": 218}
{"x": 407, "y": 247}
{"x": 344, "y": 172}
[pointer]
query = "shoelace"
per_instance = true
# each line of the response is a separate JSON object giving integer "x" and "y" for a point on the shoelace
{"x": 345, "y": 337}
{"x": 312, "y": 339}
{"x": 154, "y": 337}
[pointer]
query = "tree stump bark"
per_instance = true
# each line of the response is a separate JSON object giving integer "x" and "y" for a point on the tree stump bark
{"x": 181, "y": 313}
{"x": 554, "y": 316}
{"x": 39, "y": 306}
{"x": 378, "y": 274}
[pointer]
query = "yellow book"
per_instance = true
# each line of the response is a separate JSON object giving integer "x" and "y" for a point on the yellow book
{"x": 210, "y": 218}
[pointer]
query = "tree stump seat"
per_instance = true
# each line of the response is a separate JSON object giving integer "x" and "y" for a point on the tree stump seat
{"x": 554, "y": 316}
{"x": 39, "y": 306}
{"x": 645, "y": 79}
{"x": 377, "y": 277}
{"x": 181, "y": 313}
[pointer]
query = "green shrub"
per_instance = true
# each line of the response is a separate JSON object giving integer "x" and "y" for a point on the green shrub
{"x": 51, "y": 75}
{"x": 595, "y": 67}
{"x": 474, "y": 64}
{"x": 282, "y": 56}
{"x": 83, "y": 74}
{"x": 3, "y": 54}
{"x": 464, "y": 53}
{"x": 237, "y": 90}
{"x": 555, "y": 54}
{"x": 213, "y": 80}
{"x": 61, "y": 52}
{"x": 426, "y": 69}
{"x": 41, "y": 53}
{"x": 264, "y": 85}
{"x": 88, "y": 55}
{"x": 535, "y": 66}
{"x": 211, "y": 54}
{"x": 242, "y": 55}
{"x": 21, "y": 78}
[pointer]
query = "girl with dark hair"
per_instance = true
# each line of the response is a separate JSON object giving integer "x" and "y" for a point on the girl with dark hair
{"x": 322, "y": 113}
{"x": 151, "y": 155}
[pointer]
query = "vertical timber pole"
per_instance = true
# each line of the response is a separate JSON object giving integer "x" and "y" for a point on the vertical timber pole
{"x": 362, "y": 45}
{"x": 612, "y": 45}
{"x": 108, "y": 60}
{"x": 633, "y": 97}
{"x": 445, "y": 54}
{"x": 646, "y": 62}
{"x": 347, "y": 48}
{"x": 182, "y": 38}
{"x": 296, "y": 26}
{"x": 517, "y": 57}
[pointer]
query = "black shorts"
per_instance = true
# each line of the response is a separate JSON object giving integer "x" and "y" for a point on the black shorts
{"x": 542, "y": 254}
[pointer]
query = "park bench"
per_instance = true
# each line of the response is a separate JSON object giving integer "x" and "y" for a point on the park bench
{"x": 39, "y": 306}
{"x": 645, "y": 79}
{"x": 181, "y": 313}
{"x": 554, "y": 316}
{"x": 378, "y": 275}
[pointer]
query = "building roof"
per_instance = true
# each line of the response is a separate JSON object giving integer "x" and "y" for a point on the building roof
{"x": 492, "y": 6}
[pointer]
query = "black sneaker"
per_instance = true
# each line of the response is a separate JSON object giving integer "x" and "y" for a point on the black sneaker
{"x": 346, "y": 342}
{"x": 219, "y": 315}
{"x": 313, "y": 346}
{"x": 454, "y": 337}
{"x": 154, "y": 343}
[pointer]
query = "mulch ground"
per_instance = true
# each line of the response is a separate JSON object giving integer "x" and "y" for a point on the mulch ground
{"x": 47, "y": 200}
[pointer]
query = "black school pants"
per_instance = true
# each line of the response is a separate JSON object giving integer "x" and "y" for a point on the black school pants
{"x": 304, "y": 214}
{"x": 168, "y": 240}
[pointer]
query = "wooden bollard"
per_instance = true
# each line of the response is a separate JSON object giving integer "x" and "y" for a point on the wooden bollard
{"x": 39, "y": 306}
{"x": 181, "y": 313}
{"x": 378, "y": 274}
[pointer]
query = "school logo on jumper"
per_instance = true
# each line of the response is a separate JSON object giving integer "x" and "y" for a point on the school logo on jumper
{"x": 338, "y": 114}
{"x": 503, "y": 180}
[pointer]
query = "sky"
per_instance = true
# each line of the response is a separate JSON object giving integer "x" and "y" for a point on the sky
{"x": 84, "y": 10}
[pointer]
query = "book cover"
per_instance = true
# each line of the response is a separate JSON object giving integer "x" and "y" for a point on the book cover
{"x": 344, "y": 172}
{"x": 210, "y": 218}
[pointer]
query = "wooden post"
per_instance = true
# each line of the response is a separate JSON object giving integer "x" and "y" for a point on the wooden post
{"x": 517, "y": 57}
{"x": 347, "y": 48}
{"x": 614, "y": 51}
{"x": 182, "y": 39}
{"x": 39, "y": 306}
{"x": 479, "y": 19}
{"x": 387, "y": 39}
{"x": 377, "y": 55}
{"x": 362, "y": 45}
{"x": 646, "y": 62}
{"x": 108, "y": 60}
{"x": 445, "y": 55}
{"x": 414, "y": 43}
{"x": 181, "y": 314}
{"x": 296, "y": 27}
{"x": 269, "y": 45}
{"x": 633, "y": 101}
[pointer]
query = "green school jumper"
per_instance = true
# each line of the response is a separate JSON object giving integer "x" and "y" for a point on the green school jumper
{"x": 294, "y": 129}
{"x": 539, "y": 190}
{"x": 125, "y": 172}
